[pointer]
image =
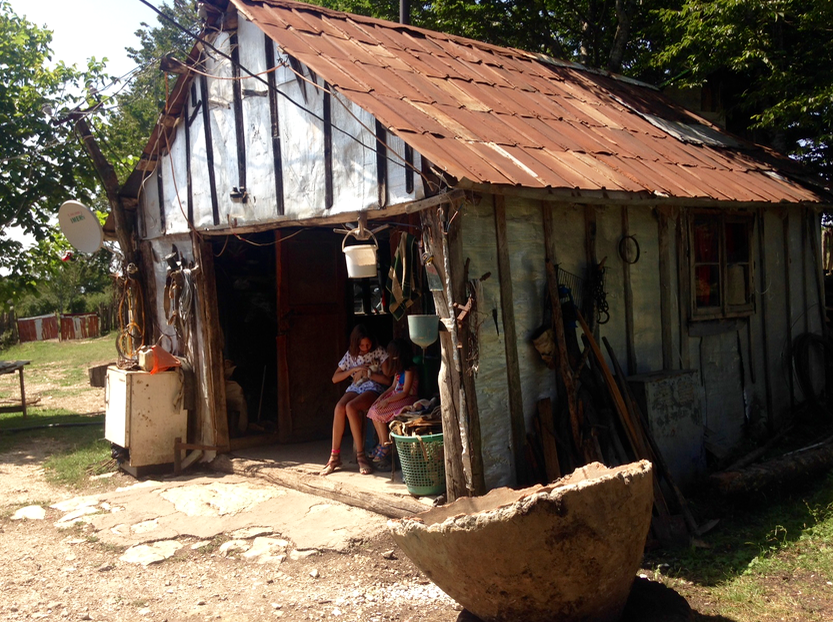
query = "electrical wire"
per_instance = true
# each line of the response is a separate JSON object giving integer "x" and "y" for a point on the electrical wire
{"x": 287, "y": 97}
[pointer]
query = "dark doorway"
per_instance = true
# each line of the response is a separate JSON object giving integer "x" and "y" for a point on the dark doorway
{"x": 246, "y": 284}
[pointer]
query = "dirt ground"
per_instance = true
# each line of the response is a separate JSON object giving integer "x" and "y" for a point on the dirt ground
{"x": 55, "y": 574}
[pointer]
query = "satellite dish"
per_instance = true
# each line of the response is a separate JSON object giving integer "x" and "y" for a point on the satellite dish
{"x": 80, "y": 226}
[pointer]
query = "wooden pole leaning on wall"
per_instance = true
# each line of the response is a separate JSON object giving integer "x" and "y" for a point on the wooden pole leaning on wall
{"x": 452, "y": 398}
{"x": 663, "y": 522}
{"x": 657, "y": 457}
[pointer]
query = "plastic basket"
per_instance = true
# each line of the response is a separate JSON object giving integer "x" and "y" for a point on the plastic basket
{"x": 423, "y": 463}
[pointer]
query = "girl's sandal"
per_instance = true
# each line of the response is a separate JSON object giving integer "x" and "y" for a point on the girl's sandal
{"x": 332, "y": 464}
{"x": 365, "y": 468}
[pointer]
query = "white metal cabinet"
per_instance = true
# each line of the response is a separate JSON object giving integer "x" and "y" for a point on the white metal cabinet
{"x": 144, "y": 415}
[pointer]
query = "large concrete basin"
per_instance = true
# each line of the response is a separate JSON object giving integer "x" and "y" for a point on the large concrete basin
{"x": 565, "y": 552}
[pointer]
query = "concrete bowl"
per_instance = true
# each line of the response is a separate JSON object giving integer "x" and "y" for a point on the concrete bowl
{"x": 565, "y": 552}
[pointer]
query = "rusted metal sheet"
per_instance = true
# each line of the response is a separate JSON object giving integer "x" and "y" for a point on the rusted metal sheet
{"x": 611, "y": 132}
{"x": 79, "y": 326}
{"x": 37, "y": 328}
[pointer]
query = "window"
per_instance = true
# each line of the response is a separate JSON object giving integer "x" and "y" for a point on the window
{"x": 721, "y": 265}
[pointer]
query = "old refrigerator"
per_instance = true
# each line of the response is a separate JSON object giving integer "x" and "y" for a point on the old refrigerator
{"x": 144, "y": 415}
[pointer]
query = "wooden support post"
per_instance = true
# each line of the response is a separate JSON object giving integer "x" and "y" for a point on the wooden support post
{"x": 458, "y": 277}
{"x": 160, "y": 191}
{"x": 277, "y": 159}
{"x": 452, "y": 400}
{"x": 764, "y": 302}
{"x": 22, "y": 392}
{"x": 239, "y": 125}
{"x": 565, "y": 377}
{"x": 788, "y": 301}
{"x": 665, "y": 290}
{"x": 209, "y": 150}
{"x": 626, "y": 280}
{"x": 814, "y": 233}
{"x": 382, "y": 163}
{"x": 211, "y": 341}
{"x": 328, "y": 148}
{"x": 683, "y": 289}
{"x": 510, "y": 344}
{"x": 189, "y": 183}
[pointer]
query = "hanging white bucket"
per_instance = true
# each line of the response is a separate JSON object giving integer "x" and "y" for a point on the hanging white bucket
{"x": 361, "y": 259}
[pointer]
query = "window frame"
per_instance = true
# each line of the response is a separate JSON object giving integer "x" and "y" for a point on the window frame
{"x": 724, "y": 309}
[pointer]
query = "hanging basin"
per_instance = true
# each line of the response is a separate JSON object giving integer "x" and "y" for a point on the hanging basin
{"x": 568, "y": 551}
{"x": 361, "y": 261}
{"x": 423, "y": 329}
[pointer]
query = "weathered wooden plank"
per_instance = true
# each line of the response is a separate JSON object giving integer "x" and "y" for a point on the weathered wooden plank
{"x": 327, "y": 487}
{"x": 212, "y": 343}
{"x": 277, "y": 158}
{"x": 665, "y": 289}
{"x": 328, "y": 148}
{"x": 458, "y": 276}
{"x": 409, "y": 169}
{"x": 628, "y": 293}
{"x": 785, "y": 219}
{"x": 804, "y": 283}
{"x": 513, "y": 370}
{"x": 382, "y": 163}
{"x": 814, "y": 224}
{"x": 189, "y": 182}
{"x": 449, "y": 377}
{"x": 237, "y": 102}
{"x": 209, "y": 150}
{"x": 683, "y": 289}
{"x": 551, "y": 465}
{"x": 160, "y": 189}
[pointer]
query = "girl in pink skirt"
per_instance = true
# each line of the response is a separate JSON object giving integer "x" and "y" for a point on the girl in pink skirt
{"x": 402, "y": 393}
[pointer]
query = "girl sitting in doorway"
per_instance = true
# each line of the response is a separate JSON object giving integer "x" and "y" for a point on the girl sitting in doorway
{"x": 402, "y": 393}
{"x": 364, "y": 362}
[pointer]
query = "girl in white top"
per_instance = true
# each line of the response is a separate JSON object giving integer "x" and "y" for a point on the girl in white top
{"x": 366, "y": 363}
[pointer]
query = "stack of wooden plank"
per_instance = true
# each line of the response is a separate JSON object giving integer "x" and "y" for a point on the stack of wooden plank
{"x": 597, "y": 419}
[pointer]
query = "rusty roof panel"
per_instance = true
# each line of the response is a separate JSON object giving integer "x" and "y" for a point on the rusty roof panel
{"x": 398, "y": 82}
{"x": 502, "y": 116}
{"x": 457, "y": 158}
{"x": 422, "y": 123}
{"x": 512, "y": 163}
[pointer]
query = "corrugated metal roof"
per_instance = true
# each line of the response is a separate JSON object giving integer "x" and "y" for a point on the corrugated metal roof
{"x": 491, "y": 115}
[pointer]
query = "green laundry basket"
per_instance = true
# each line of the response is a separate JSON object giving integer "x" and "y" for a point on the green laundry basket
{"x": 423, "y": 463}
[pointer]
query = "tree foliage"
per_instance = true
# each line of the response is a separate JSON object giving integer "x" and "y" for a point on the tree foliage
{"x": 773, "y": 60}
{"x": 598, "y": 33}
{"x": 66, "y": 279}
{"x": 41, "y": 163}
{"x": 128, "y": 128}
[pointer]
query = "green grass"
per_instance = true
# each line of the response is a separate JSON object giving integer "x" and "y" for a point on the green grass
{"x": 764, "y": 551}
{"x": 71, "y": 358}
{"x": 74, "y": 441}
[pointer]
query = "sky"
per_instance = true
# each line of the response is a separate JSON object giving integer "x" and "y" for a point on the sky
{"x": 86, "y": 28}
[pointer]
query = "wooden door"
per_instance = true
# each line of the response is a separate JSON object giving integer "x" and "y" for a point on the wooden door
{"x": 311, "y": 331}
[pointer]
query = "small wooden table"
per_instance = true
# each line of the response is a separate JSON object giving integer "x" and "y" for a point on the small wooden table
{"x": 9, "y": 367}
